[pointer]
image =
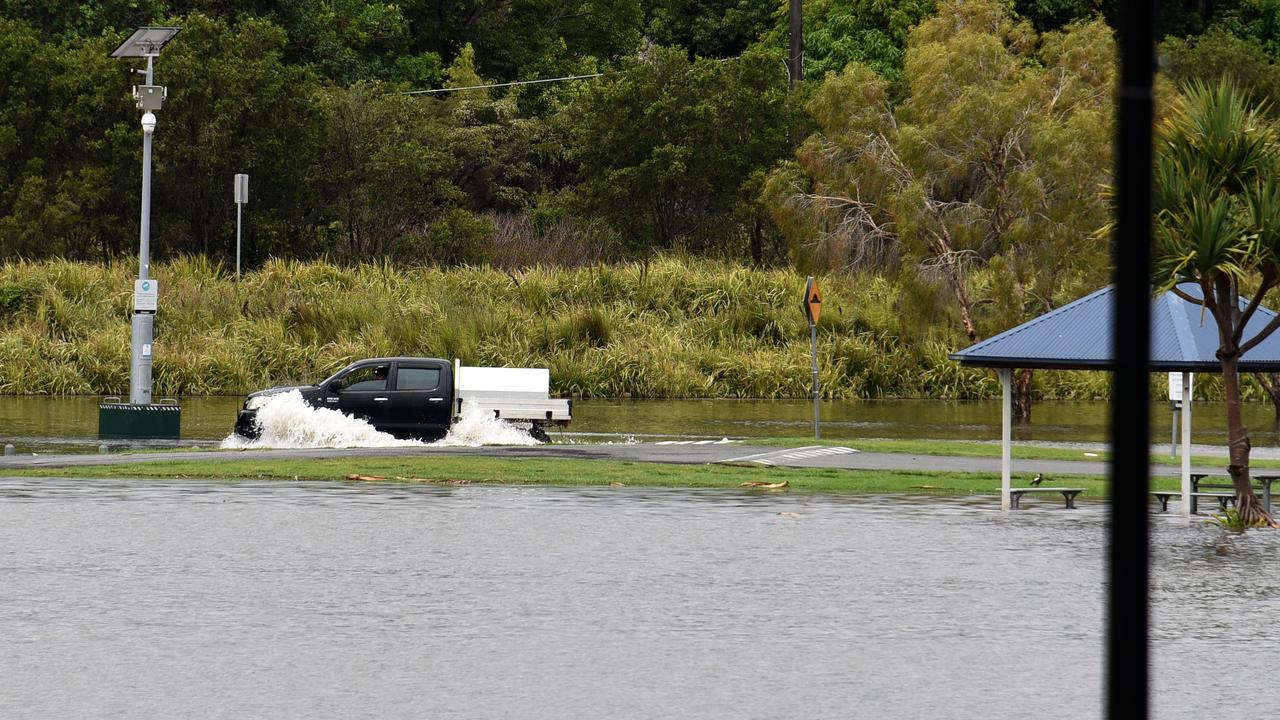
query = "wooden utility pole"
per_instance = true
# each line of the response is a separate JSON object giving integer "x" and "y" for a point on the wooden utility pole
{"x": 795, "y": 56}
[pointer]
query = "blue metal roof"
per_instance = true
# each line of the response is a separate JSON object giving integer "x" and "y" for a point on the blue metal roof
{"x": 1184, "y": 336}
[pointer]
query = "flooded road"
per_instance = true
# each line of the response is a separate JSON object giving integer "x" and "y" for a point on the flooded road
{"x": 70, "y": 424}
{"x": 209, "y": 600}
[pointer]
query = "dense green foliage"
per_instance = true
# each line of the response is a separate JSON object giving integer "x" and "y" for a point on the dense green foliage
{"x": 665, "y": 145}
{"x": 670, "y": 328}
{"x": 949, "y": 156}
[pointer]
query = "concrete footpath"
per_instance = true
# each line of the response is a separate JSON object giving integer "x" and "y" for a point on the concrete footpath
{"x": 700, "y": 453}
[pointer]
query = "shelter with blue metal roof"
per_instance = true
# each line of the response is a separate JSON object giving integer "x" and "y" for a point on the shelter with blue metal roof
{"x": 1078, "y": 336}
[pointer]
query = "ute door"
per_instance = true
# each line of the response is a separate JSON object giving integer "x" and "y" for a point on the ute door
{"x": 362, "y": 393}
{"x": 420, "y": 401}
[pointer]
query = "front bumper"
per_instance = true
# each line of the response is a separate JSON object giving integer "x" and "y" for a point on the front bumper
{"x": 247, "y": 424}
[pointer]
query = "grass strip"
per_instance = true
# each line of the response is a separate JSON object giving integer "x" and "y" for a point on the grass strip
{"x": 966, "y": 448}
{"x": 561, "y": 472}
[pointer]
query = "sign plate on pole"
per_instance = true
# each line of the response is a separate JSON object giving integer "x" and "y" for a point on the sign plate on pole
{"x": 813, "y": 308}
{"x": 812, "y": 301}
{"x": 242, "y": 188}
{"x": 145, "y": 294}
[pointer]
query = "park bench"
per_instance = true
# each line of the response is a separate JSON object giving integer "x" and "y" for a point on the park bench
{"x": 1164, "y": 495}
{"x": 1015, "y": 494}
{"x": 1205, "y": 481}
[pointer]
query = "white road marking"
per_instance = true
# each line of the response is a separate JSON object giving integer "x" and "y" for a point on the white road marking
{"x": 774, "y": 457}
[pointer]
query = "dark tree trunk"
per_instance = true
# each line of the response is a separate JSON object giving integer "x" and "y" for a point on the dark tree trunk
{"x": 1021, "y": 397}
{"x": 1238, "y": 445}
{"x": 1270, "y": 382}
{"x": 757, "y": 243}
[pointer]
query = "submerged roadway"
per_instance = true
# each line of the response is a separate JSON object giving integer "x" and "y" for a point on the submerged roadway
{"x": 699, "y": 453}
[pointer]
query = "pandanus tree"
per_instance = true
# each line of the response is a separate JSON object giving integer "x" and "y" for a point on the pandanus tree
{"x": 1217, "y": 225}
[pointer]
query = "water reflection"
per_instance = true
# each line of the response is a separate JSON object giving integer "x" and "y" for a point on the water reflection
{"x": 70, "y": 424}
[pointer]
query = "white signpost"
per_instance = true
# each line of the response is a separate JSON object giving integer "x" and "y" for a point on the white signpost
{"x": 241, "y": 192}
{"x": 1175, "y": 404}
{"x": 1180, "y": 400}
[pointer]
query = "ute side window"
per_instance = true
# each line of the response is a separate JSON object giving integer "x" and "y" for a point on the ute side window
{"x": 412, "y": 378}
{"x": 372, "y": 377}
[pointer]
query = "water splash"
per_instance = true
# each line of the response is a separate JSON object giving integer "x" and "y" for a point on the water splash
{"x": 475, "y": 427}
{"x": 287, "y": 421}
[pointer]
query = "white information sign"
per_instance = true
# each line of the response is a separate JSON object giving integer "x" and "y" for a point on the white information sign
{"x": 1175, "y": 387}
{"x": 145, "y": 295}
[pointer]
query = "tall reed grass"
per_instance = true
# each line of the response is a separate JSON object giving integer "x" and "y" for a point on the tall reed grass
{"x": 673, "y": 327}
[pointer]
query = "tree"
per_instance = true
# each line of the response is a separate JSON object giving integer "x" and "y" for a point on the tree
{"x": 55, "y": 17}
{"x": 1048, "y": 15}
{"x": 387, "y": 170}
{"x": 502, "y": 157}
{"x": 667, "y": 148}
{"x": 233, "y": 107}
{"x": 873, "y": 33}
{"x": 352, "y": 40}
{"x": 1218, "y": 226}
{"x": 68, "y": 177}
{"x": 993, "y": 161}
{"x": 711, "y": 28}
{"x": 1219, "y": 53}
{"x": 522, "y": 39}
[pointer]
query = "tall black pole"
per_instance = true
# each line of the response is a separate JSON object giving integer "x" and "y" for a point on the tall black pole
{"x": 795, "y": 54}
{"x": 1127, "y": 616}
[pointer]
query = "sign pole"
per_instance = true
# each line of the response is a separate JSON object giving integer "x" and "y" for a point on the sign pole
{"x": 812, "y": 309}
{"x": 813, "y": 343}
{"x": 240, "y": 189}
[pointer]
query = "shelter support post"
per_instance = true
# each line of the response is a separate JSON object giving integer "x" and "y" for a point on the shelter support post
{"x": 1006, "y": 435}
{"x": 1186, "y": 444}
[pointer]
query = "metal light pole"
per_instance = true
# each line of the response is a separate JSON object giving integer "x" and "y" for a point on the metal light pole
{"x": 144, "y": 312}
{"x": 140, "y": 418}
{"x": 145, "y": 42}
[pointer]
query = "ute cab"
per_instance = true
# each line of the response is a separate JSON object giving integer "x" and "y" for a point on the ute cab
{"x": 405, "y": 397}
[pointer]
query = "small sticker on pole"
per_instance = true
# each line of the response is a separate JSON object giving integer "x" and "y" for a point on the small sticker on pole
{"x": 812, "y": 301}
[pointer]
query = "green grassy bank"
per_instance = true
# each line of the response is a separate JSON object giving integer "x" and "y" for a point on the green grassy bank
{"x": 672, "y": 328}
{"x": 452, "y": 471}
{"x": 557, "y": 472}
{"x": 446, "y": 470}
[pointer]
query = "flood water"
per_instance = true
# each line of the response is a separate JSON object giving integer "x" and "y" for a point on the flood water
{"x": 178, "y": 599}
{"x": 70, "y": 424}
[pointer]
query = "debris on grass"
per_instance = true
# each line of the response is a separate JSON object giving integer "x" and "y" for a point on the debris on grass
{"x": 757, "y": 485}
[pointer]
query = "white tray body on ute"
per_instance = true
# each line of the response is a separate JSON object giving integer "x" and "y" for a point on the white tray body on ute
{"x": 510, "y": 393}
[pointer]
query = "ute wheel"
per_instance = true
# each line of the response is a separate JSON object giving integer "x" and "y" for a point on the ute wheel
{"x": 539, "y": 433}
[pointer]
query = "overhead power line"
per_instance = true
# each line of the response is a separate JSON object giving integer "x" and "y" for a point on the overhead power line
{"x": 533, "y": 82}
{"x": 505, "y": 84}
